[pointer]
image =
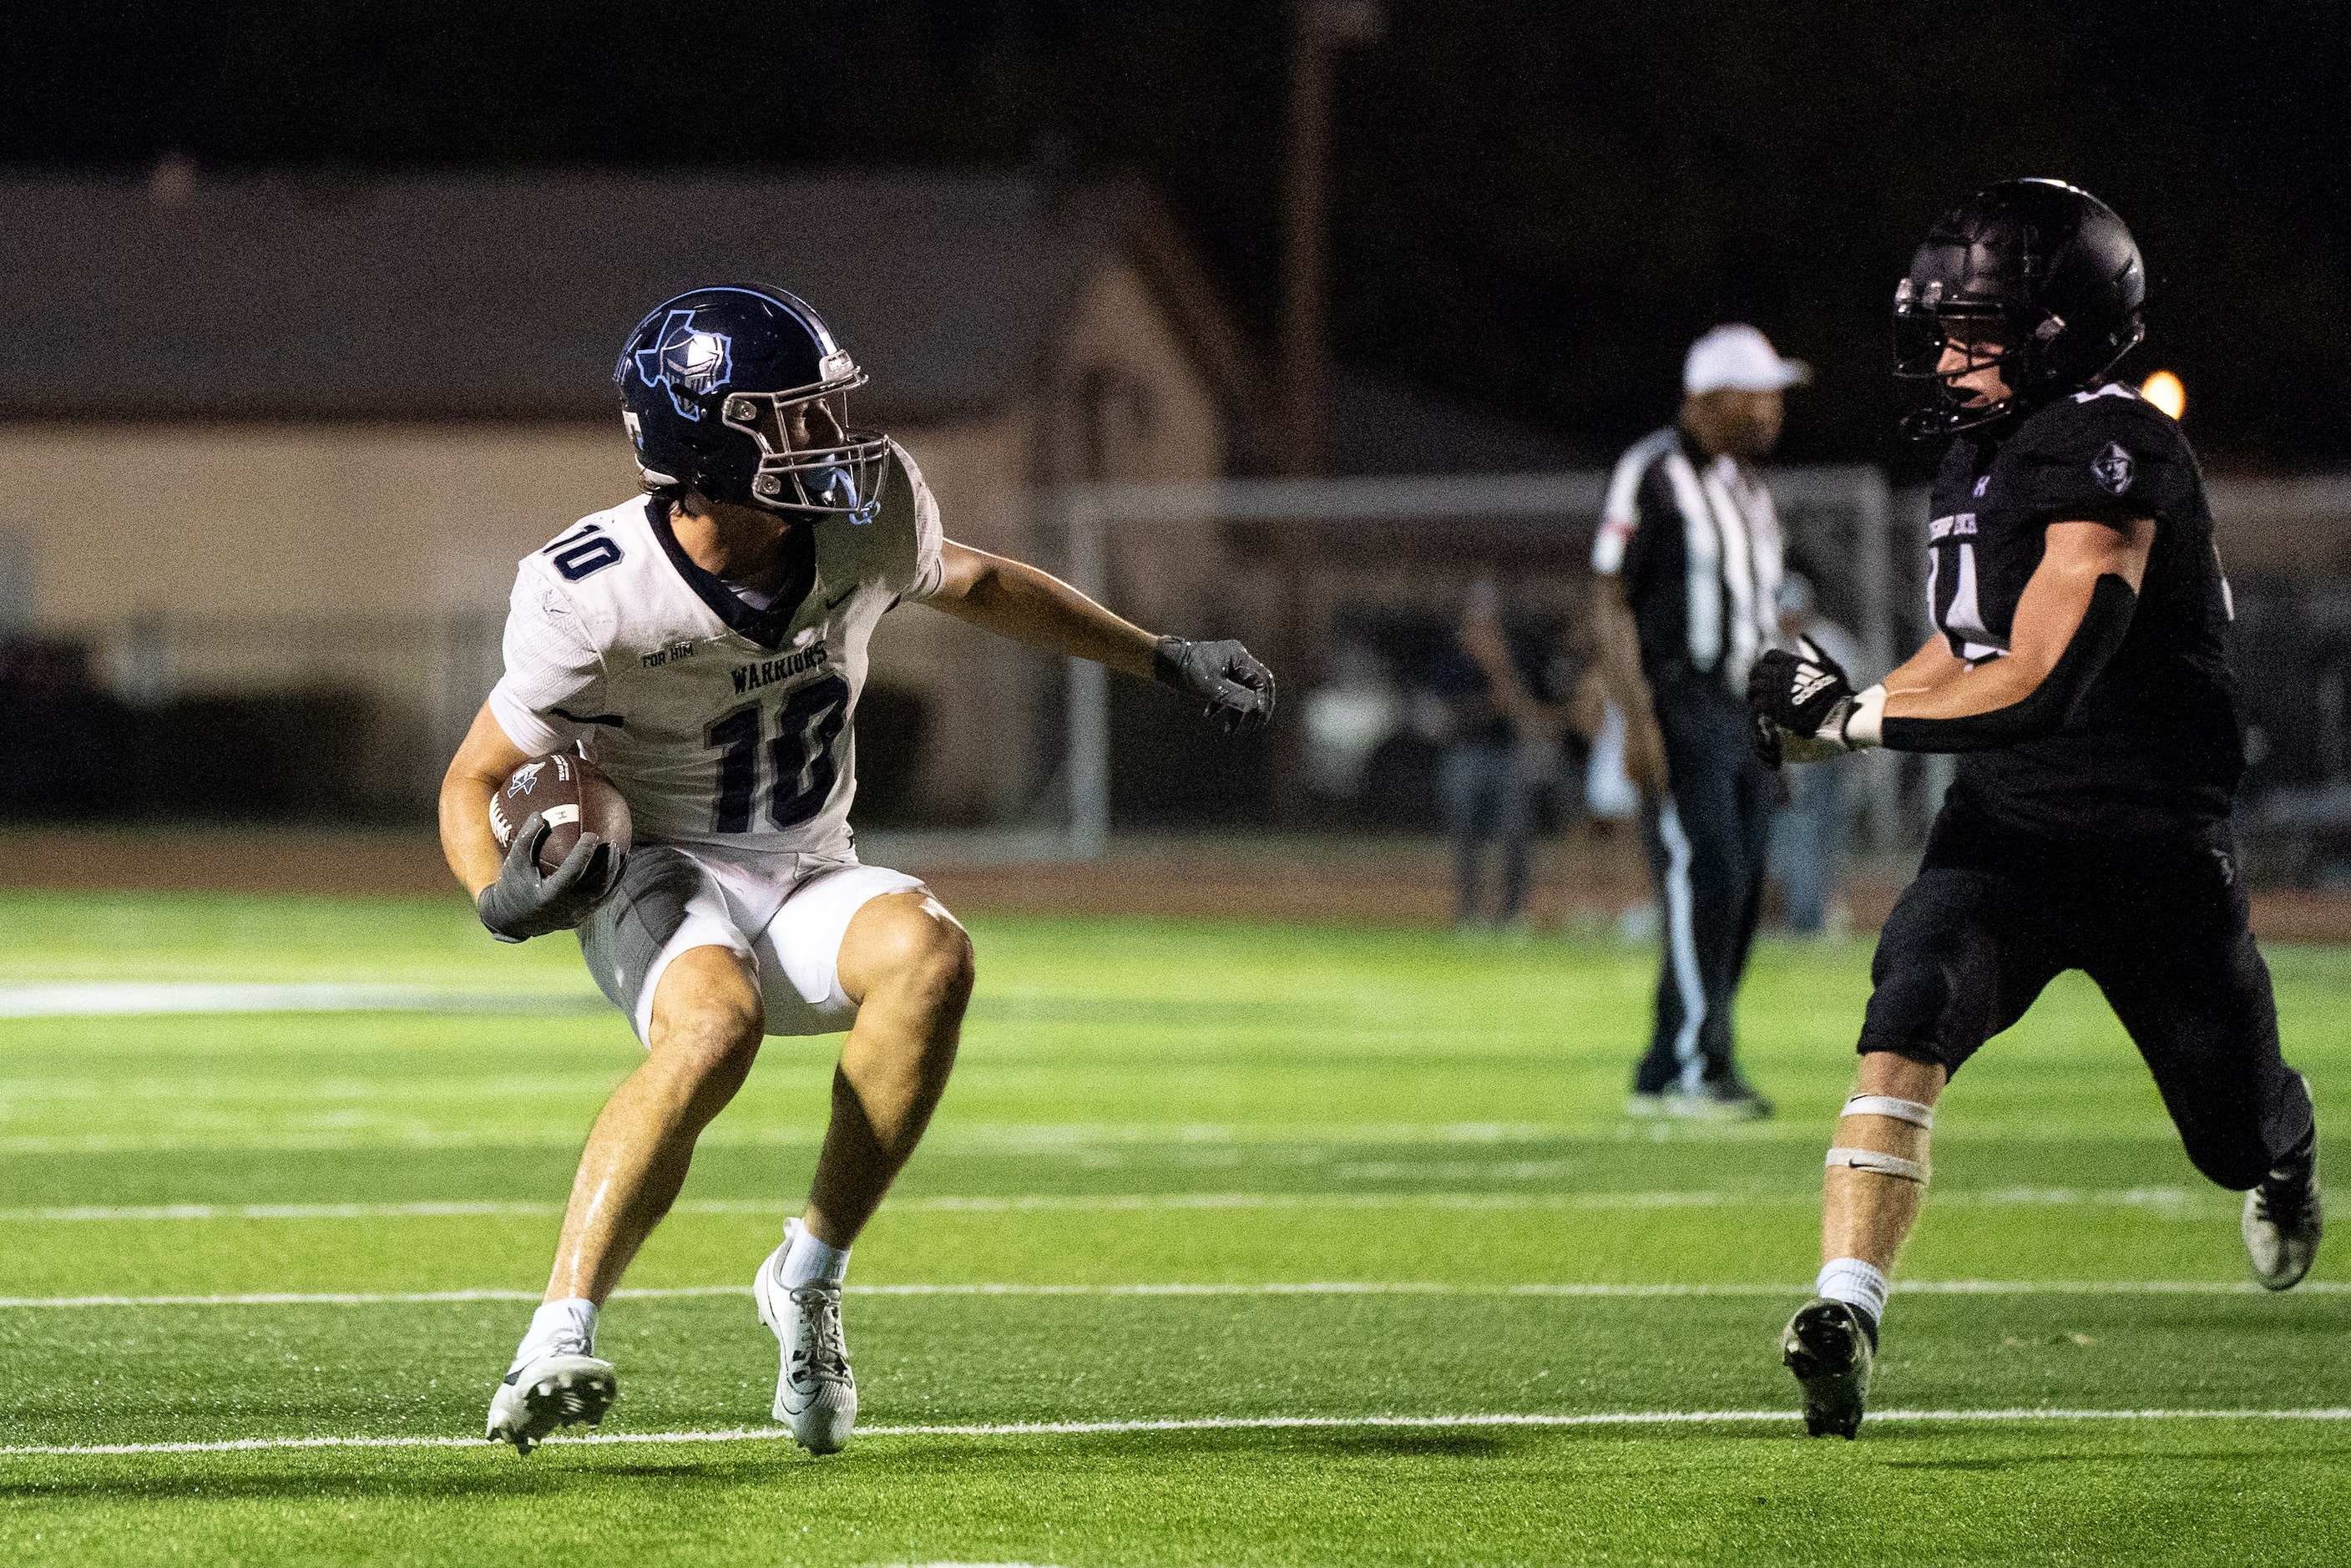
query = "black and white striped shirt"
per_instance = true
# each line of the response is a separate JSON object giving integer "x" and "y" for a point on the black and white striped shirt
{"x": 1696, "y": 543}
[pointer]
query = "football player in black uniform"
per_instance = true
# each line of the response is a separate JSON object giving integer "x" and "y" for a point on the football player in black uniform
{"x": 2079, "y": 666}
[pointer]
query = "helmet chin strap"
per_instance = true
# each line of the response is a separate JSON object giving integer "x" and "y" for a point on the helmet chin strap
{"x": 1947, "y": 416}
{"x": 1954, "y": 408}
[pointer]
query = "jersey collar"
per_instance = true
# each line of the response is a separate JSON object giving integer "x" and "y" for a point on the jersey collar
{"x": 771, "y": 627}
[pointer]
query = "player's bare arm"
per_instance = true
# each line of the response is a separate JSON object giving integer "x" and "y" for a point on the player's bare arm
{"x": 2059, "y": 605}
{"x": 483, "y": 763}
{"x": 2074, "y": 612}
{"x": 1018, "y": 601}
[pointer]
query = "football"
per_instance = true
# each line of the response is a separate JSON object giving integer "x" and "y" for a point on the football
{"x": 574, "y": 797}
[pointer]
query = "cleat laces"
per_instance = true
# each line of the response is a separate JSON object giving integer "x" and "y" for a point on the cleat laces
{"x": 2281, "y": 1203}
{"x": 821, "y": 1356}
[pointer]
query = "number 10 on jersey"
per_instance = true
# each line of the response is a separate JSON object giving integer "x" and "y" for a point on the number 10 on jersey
{"x": 799, "y": 756}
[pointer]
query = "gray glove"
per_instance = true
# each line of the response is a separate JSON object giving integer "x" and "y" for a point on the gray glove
{"x": 1233, "y": 682}
{"x": 522, "y": 903}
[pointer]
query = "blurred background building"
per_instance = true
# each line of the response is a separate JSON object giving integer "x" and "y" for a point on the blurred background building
{"x": 279, "y": 441}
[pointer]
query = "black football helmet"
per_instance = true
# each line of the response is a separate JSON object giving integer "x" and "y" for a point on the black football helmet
{"x": 2043, "y": 279}
{"x": 738, "y": 392}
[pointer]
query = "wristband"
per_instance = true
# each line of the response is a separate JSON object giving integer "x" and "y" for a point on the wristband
{"x": 1865, "y": 721}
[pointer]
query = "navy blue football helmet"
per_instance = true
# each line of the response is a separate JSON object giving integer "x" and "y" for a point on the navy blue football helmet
{"x": 738, "y": 392}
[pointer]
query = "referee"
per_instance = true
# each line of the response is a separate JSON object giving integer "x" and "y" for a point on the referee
{"x": 1687, "y": 561}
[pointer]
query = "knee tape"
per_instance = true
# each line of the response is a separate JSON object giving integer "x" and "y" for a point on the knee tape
{"x": 1910, "y": 1111}
{"x": 1877, "y": 1163}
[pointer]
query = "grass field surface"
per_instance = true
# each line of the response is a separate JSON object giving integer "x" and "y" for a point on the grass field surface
{"x": 1232, "y": 1244}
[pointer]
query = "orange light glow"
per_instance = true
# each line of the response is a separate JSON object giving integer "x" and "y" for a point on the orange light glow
{"x": 2163, "y": 390}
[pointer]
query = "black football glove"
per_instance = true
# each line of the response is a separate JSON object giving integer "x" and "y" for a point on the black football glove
{"x": 522, "y": 903}
{"x": 1798, "y": 703}
{"x": 1233, "y": 682}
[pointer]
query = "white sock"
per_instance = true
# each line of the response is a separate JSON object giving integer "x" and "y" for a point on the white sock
{"x": 1855, "y": 1283}
{"x": 807, "y": 1261}
{"x": 566, "y": 1327}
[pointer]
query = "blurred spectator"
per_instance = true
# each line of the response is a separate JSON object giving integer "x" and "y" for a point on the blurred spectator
{"x": 1808, "y": 840}
{"x": 1347, "y": 717}
{"x": 1504, "y": 757}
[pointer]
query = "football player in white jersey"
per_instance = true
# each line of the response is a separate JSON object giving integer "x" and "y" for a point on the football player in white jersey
{"x": 704, "y": 645}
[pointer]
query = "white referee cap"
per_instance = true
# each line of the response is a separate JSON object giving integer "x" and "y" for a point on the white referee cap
{"x": 1738, "y": 355}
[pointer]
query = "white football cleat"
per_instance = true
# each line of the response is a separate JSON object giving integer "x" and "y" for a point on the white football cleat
{"x": 2282, "y": 1223}
{"x": 552, "y": 1390}
{"x": 816, "y": 1394}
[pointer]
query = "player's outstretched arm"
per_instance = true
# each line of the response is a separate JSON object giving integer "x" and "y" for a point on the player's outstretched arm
{"x": 1016, "y": 601}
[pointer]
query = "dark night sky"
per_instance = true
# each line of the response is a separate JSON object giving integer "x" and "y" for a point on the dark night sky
{"x": 1536, "y": 204}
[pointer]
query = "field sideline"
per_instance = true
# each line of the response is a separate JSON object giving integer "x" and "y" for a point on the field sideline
{"x": 1233, "y": 1243}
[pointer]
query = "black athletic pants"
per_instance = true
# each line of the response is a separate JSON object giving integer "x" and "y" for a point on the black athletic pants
{"x": 1708, "y": 846}
{"x": 2159, "y": 926}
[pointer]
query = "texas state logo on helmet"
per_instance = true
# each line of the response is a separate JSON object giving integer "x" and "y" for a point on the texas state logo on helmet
{"x": 691, "y": 361}
{"x": 739, "y": 392}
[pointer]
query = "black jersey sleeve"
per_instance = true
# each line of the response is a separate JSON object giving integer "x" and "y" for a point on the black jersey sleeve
{"x": 2106, "y": 456}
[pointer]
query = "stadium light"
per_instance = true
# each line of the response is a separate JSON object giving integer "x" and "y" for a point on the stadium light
{"x": 2166, "y": 391}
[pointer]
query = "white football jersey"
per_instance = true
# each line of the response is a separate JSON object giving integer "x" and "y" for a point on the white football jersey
{"x": 726, "y": 729}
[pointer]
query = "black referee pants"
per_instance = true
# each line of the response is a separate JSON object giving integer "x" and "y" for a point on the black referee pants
{"x": 2159, "y": 926}
{"x": 1708, "y": 844}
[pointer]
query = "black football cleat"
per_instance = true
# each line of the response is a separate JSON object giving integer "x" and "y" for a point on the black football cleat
{"x": 2283, "y": 1222}
{"x": 1827, "y": 1346}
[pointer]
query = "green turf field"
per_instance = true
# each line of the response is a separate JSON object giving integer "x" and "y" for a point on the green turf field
{"x": 1232, "y": 1244}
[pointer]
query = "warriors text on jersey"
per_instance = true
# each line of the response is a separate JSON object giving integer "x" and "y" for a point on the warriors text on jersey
{"x": 2156, "y": 742}
{"x": 726, "y": 727}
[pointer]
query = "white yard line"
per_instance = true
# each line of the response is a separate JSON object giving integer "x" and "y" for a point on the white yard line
{"x": 2162, "y": 1199}
{"x": 1196, "y": 1424}
{"x": 1602, "y": 1291}
{"x": 117, "y": 999}
{"x": 89, "y": 1213}
{"x": 1142, "y": 1140}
